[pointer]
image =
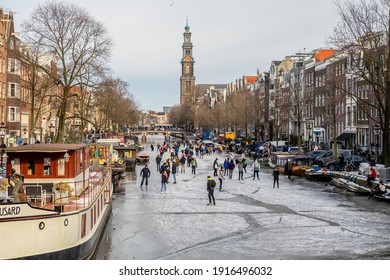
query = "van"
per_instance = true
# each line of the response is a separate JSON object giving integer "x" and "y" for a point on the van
{"x": 328, "y": 156}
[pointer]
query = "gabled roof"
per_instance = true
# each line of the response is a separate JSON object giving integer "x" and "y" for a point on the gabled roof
{"x": 323, "y": 54}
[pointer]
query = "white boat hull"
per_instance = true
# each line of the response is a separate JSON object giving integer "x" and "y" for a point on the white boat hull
{"x": 27, "y": 232}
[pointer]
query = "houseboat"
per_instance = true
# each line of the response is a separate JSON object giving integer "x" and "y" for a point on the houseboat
{"x": 276, "y": 158}
{"x": 105, "y": 154}
{"x": 127, "y": 156}
{"x": 68, "y": 203}
{"x": 301, "y": 163}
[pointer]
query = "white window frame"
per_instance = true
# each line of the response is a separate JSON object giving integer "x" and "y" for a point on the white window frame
{"x": 13, "y": 66}
{"x": 13, "y": 114}
{"x": 13, "y": 90}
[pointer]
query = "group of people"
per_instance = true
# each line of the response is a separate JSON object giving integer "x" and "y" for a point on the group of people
{"x": 176, "y": 160}
{"x": 180, "y": 158}
{"x": 187, "y": 157}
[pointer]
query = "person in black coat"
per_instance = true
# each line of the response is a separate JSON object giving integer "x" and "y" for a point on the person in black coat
{"x": 145, "y": 174}
{"x": 210, "y": 190}
{"x": 275, "y": 173}
{"x": 174, "y": 171}
{"x": 158, "y": 162}
{"x": 231, "y": 168}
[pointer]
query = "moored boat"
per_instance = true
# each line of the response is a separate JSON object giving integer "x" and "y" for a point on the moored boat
{"x": 350, "y": 186}
{"x": 300, "y": 163}
{"x": 103, "y": 154}
{"x": 319, "y": 174}
{"x": 127, "y": 155}
{"x": 68, "y": 203}
{"x": 276, "y": 158}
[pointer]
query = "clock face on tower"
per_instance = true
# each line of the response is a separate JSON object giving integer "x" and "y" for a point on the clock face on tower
{"x": 187, "y": 58}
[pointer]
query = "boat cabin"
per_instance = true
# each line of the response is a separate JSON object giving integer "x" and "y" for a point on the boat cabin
{"x": 127, "y": 154}
{"x": 42, "y": 166}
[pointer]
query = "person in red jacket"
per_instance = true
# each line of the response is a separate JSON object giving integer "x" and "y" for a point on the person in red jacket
{"x": 371, "y": 176}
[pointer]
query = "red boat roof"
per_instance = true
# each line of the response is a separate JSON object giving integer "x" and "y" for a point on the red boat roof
{"x": 45, "y": 148}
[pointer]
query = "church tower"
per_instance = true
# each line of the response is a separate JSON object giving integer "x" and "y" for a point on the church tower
{"x": 187, "y": 79}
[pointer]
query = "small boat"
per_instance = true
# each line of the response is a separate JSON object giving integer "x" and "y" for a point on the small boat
{"x": 383, "y": 196}
{"x": 318, "y": 174}
{"x": 350, "y": 186}
{"x": 142, "y": 158}
{"x": 300, "y": 163}
{"x": 276, "y": 158}
{"x": 68, "y": 203}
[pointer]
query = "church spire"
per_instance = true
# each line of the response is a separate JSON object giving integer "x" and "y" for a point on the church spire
{"x": 187, "y": 28}
{"x": 187, "y": 79}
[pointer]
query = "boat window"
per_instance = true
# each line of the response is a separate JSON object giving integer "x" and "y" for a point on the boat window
{"x": 61, "y": 167}
{"x": 30, "y": 166}
{"x": 47, "y": 166}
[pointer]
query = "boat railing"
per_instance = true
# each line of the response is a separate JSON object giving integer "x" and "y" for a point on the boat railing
{"x": 93, "y": 186}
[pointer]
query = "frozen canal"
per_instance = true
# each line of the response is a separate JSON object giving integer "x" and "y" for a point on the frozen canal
{"x": 250, "y": 221}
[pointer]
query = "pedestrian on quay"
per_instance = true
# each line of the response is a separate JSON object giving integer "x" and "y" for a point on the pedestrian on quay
{"x": 173, "y": 171}
{"x": 183, "y": 164}
{"x": 275, "y": 173}
{"x": 194, "y": 165}
{"x": 158, "y": 162}
{"x": 256, "y": 169}
{"x": 151, "y": 147}
{"x": 210, "y": 189}
{"x": 288, "y": 168}
{"x": 378, "y": 189}
{"x": 167, "y": 169}
{"x": 226, "y": 166}
{"x": 244, "y": 163}
{"x": 221, "y": 177}
{"x": 215, "y": 165}
{"x": 371, "y": 176}
{"x": 240, "y": 167}
{"x": 164, "y": 181}
{"x": 231, "y": 168}
{"x": 145, "y": 174}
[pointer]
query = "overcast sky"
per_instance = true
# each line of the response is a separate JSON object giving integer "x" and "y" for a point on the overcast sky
{"x": 231, "y": 38}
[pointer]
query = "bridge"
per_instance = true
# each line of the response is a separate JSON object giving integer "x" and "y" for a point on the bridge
{"x": 167, "y": 134}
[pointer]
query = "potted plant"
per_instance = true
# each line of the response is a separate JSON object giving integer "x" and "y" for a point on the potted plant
{"x": 62, "y": 192}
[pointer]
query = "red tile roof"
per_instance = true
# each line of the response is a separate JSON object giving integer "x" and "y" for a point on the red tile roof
{"x": 250, "y": 79}
{"x": 323, "y": 54}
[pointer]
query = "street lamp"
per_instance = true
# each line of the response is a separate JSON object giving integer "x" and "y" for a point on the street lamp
{"x": 3, "y": 131}
{"x": 309, "y": 127}
{"x": 52, "y": 129}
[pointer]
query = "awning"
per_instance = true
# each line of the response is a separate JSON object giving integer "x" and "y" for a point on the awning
{"x": 344, "y": 136}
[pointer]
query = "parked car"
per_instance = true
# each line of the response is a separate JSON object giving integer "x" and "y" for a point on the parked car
{"x": 324, "y": 159}
{"x": 316, "y": 153}
{"x": 252, "y": 147}
{"x": 294, "y": 150}
{"x": 355, "y": 160}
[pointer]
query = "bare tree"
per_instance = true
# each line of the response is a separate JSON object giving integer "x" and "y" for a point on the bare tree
{"x": 116, "y": 105}
{"x": 182, "y": 115}
{"x": 363, "y": 33}
{"x": 78, "y": 41}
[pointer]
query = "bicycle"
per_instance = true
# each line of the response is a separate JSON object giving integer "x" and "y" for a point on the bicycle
{"x": 350, "y": 167}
